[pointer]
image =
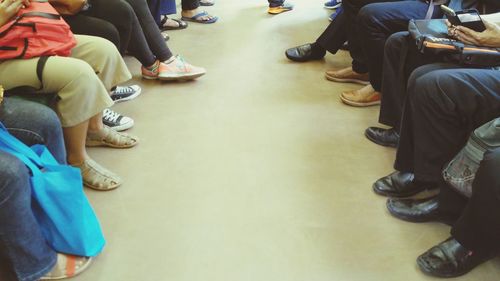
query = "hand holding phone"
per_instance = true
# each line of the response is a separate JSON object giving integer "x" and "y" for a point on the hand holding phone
{"x": 468, "y": 18}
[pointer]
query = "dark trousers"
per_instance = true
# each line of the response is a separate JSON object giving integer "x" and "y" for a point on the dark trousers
{"x": 478, "y": 225}
{"x": 275, "y": 3}
{"x": 190, "y": 4}
{"x": 444, "y": 104}
{"x": 139, "y": 34}
{"x": 401, "y": 57}
{"x": 345, "y": 28}
{"x": 376, "y": 22}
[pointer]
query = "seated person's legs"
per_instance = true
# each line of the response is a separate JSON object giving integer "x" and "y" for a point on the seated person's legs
{"x": 82, "y": 97}
{"x": 24, "y": 253}
{"x": 443, "y": 107}
{"x": 475, "y": 221}
{"x": 375, "y": 23}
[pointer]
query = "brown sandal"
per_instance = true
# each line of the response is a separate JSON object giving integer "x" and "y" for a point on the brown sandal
{"x": 97, "y": 177}
{"x": 111, "y": 138}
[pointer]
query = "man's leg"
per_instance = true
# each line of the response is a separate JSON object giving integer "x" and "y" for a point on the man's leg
{"x": 478, "y": 229}
{"x": 376, "y": 22}
{"x": 442, "y": 108}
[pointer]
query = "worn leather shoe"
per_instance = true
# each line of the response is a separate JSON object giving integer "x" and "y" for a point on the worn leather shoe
{"x": 418, "y": 210}
{"x": 347, "y": 75}
{"x": 363, "y": 97}
{"x": 400, "y": 184}
{"x": 384, "y": 137}
{"x": 450, "y": 259}
{"x": 304, "y": 53}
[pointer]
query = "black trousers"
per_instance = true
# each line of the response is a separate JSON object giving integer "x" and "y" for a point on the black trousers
{"x": 444, "y": 104}
{"x": 190, "y": 4}
{"x": 345, "y": 28}
{"x": 132, "y": 19}
{"x": 478, "y": 219}
{"x": 401, "y": 58}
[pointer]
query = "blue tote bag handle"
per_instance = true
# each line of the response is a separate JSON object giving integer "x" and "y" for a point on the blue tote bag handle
{"x": 59, "y": 204}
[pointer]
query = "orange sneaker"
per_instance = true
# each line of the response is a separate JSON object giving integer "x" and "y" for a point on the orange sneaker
{"x": 151, "y": 72}
{"x": 363, "y": 97}
{"x": 348, "y": 75}
{"x": 285, "y": 7}
{"x": 178, "y": 69}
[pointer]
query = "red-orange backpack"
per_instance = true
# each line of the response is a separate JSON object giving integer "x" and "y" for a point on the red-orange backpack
{"x": 37, "y": 30}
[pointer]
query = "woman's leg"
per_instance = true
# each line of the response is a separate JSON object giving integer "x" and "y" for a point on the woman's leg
{"x": 150, "y": 30}
{"x": 88, "y": 25}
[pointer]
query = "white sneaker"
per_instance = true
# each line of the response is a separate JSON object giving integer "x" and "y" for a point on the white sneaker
{"x": 116, "y": 121}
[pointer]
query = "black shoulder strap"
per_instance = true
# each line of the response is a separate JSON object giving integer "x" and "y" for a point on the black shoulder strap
{"x": 24, "y": 90}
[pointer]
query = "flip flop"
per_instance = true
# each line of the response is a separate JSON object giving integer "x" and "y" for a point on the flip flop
{"x": 197, "y": 18}
{"x": 182, "y": 24}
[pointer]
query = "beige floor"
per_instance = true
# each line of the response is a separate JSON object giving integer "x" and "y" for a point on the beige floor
{"x": 255, "y": 172}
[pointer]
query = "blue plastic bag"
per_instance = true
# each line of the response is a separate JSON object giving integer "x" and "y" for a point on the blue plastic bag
{"x": 59, "y": 204}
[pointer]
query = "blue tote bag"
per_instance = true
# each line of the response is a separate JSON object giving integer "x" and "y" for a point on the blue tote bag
{"x": 59, "y": 204}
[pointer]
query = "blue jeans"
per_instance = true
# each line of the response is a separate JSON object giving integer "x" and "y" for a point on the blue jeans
{"x": 275, "y": 3}
{"x": 24, "y": 254}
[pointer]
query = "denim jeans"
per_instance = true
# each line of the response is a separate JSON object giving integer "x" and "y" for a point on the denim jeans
{"x": 275, "y": 3}
{"x": 24, "y": 254}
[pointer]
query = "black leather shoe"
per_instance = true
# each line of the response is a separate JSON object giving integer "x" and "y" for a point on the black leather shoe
{"x": 400, "y": 184}
{"x": 418, "y": 210}
{"x": 450, "y": 259}
{"x": 385, "y": 137}
{"x": 304, "y": 53}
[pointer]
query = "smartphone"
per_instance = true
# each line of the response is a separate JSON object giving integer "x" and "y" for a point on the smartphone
{"x": 468, "y": 18}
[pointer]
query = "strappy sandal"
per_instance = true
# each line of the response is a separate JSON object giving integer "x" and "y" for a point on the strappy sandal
{"x": 181, "y": 24}
{"x": 111, "y": 138}
{"x": 67, "y": 266}
{"x": 97, "y": 177}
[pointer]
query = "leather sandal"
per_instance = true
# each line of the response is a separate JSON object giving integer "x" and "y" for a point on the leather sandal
{"x": 67, "y": 266}
{"x": 111, "y": 138}
{"x": 97, "y": 177}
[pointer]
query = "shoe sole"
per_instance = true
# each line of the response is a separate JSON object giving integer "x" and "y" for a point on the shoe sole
{"x": 447, "y": 221}
{"x": 131, "y": 97}
{"x": 300, "y": 60}
{"x": 332, "y": 7}
{"x": 399, "y": 195}
{"x": 346, "y": 80}
{"x": 123, "y": 127}
{"x": 358, "y": 104}
{"x": 380, "y": 143}
{"x": 80, "y": 270}
{"x": 181, "y": 78}
{"x": 279, "y": 12}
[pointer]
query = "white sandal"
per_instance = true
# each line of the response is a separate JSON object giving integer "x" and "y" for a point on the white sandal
{"x": 67, "y": 266}
{"x": 97, "y": 177}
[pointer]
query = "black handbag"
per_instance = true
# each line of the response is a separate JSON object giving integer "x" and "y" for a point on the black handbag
{"x": 431, "y": 37}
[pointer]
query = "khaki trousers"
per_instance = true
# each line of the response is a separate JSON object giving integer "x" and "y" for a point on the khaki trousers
{"x": 81, "y": 81}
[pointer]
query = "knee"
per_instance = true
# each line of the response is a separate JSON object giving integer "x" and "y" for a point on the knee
{"x": 426, "y": 86}
{"x": 13, "y": 174}
{"x": 109, "y": 32}
{"x": 103, "y": 50}
{"x": 492, "y": 158}
{"x": 395, "y": 42}
{"x": 367, "y": 15}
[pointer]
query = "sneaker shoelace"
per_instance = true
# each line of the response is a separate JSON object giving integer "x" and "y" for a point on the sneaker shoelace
{"x": 110, "y": 115}
{"x": 121, "y": 90}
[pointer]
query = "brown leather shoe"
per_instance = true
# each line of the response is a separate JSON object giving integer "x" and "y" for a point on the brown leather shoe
{"x": 347, "y": 75}
{"x": 365, "y": 96}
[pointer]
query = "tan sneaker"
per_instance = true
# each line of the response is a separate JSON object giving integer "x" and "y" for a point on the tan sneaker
{"x": 365, "y": 96}
{"x": 347, "y": 75}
